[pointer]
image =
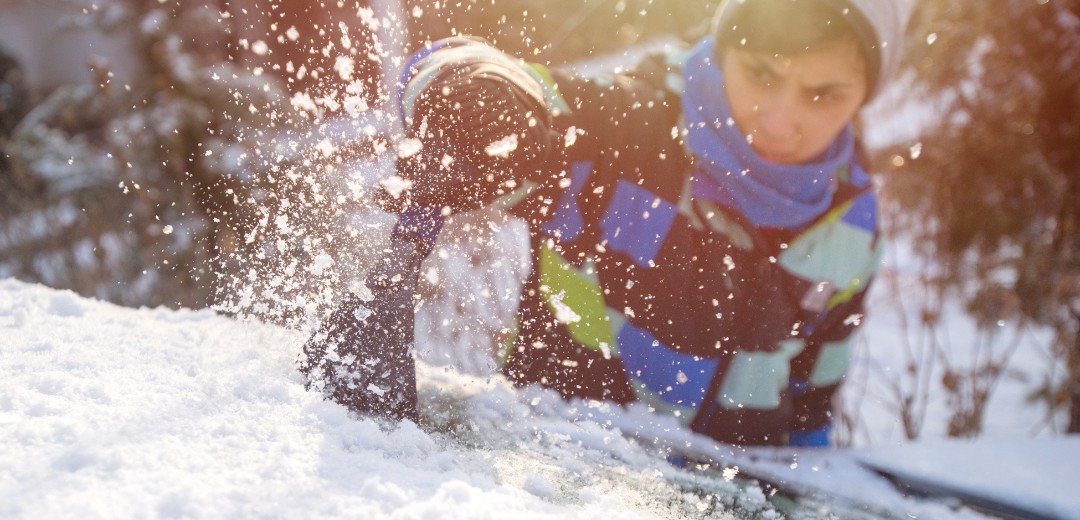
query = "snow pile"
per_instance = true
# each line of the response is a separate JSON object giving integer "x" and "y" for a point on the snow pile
{"x": 107, "y": 412}
{"x": 110, "y": 412}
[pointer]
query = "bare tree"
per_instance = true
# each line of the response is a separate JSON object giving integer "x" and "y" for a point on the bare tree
{"x": 997, "y": 182}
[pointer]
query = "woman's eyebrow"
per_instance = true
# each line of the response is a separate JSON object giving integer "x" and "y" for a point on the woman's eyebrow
{"x": 768, "y": 64}
{"x": 830, "y": 86}
{"x": 764, "y": 63}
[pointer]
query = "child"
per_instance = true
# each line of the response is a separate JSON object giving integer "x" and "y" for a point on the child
{"x": 703, "y": 237}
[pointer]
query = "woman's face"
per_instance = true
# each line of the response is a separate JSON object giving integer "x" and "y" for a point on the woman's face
{"x": 791, "y": 108}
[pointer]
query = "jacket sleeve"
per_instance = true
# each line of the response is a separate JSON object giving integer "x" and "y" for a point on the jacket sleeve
{"x": 819, "y": 370}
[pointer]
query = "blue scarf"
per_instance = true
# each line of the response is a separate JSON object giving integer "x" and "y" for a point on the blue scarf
{"x": 732, "y": 175}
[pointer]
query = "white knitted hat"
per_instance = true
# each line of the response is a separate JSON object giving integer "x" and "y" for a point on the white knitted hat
{"x": 880, "y": 26}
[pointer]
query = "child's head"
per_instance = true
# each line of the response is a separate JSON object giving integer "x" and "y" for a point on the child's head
{"x": 797, "y": 71}
{"x": 791, "y": 26}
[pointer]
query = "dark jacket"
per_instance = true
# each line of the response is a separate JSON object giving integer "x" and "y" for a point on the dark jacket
{"x": 640, "y": 291}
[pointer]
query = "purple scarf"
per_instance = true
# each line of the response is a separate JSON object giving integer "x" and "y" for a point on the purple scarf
{"x": 730, "y": 173}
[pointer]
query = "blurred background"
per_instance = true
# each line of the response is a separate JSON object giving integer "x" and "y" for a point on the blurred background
{"x": 214, "y": 153}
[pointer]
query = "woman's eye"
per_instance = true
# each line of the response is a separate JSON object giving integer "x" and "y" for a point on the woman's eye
{"x": 759, "y": 74}
{"x": 762, "y": 75}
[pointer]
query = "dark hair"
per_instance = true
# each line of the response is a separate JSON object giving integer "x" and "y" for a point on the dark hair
{"x": 794, "y": 26}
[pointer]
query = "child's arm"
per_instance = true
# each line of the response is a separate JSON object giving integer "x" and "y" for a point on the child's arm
{"x": 477, "y": 124}
{"x": 474, "y": 119}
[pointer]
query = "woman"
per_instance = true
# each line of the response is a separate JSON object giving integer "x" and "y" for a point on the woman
{"x": 702, "y": 235}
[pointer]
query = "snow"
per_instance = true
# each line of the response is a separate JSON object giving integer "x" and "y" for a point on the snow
{"x": 1042, "y": 475}
{"x": 111, "y": 412}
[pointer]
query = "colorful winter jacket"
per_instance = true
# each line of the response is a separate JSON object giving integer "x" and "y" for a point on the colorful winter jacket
{"x": 640, "y": 290}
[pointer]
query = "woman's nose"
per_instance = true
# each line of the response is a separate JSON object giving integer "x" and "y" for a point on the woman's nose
{"x": 777, "y": 120}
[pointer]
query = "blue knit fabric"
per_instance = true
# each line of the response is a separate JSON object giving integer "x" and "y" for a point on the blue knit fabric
{"x": 733, "y": 175}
